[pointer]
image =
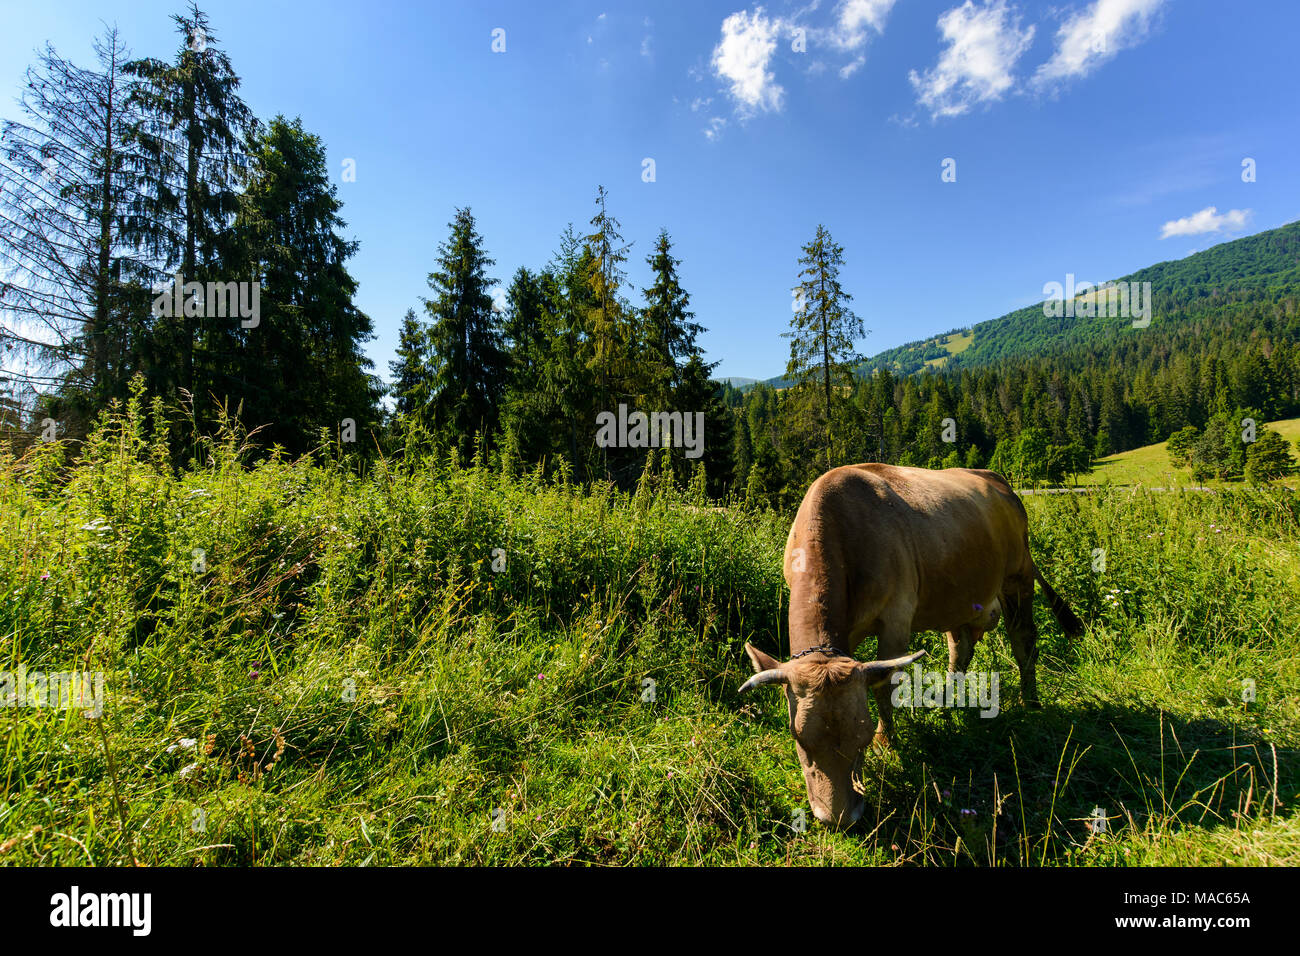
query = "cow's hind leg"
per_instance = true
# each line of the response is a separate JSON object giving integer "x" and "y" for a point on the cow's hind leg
{"x": 1022, "y": 632}
{"x": 892, "y": 643}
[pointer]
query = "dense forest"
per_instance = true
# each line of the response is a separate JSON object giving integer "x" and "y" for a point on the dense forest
{"x": 154, "y": 231}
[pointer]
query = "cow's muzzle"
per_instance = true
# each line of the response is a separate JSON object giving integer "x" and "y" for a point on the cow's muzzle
{"x": 844, "y": 820}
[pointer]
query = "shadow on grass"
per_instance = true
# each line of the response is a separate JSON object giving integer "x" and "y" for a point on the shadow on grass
{"x": 1033, "y": 786}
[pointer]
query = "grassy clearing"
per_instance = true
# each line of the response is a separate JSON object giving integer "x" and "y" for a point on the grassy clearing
{"x": 956, "y": 343}
{"x": 1150, "y": 466}
{"x": 345, "y": 679}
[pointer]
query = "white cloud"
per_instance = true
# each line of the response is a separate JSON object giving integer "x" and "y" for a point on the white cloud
{"x": 742, "y": 58}
{"x": 1207, "y": 220}
{"x": 1094, "y": 35}
{"x": 984, "y": 43}
{"x": 716, "y": 125}
{"x": 855, "y": 17}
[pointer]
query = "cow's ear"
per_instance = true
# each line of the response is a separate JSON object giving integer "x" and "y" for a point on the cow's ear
{"x": 877, "y": 672}
{"x": 762, "y": 662}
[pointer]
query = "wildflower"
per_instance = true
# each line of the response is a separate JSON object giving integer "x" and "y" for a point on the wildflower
{"x": 45, "y": 576}
{"x": 967, "y": 814}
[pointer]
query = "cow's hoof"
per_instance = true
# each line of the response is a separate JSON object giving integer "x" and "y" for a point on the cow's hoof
{"x": 1033, "y": 705}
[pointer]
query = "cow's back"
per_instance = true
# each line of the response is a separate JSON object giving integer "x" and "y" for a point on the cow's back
{"x": 875, "y": 540}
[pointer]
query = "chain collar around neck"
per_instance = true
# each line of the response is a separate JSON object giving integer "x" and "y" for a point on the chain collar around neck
{"x": 826, "y": 649}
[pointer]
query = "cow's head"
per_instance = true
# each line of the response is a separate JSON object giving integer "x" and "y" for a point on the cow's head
{"x": 830, "y": 720}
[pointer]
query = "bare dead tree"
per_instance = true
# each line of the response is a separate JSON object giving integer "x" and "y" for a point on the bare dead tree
{"x": 74, "y": 282}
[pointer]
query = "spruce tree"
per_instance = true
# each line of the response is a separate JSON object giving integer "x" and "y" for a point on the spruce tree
{"x": 823, "y": 328}
{"x": 699, "y": 393}
{"x": 561, "y": 404}
{"x": 608, "y": 325}
{"x": 530, "y": 414}
{"x": 410, "y": 370}
{"x": 667, "y": 324}
{"x": 192, "y": 135}
{"x": 301, "y": 366}
{"x": 466, "y": 355}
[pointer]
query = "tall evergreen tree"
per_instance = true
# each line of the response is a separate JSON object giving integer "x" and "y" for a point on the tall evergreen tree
{"x": 568, "y": 380}
{"x": 823, "y": 331}
{"x": 699, "y": 393}
{"x": 192, "y": 133}
{"x": 410, "y": 370}
{"x": 608, "y": 325}
{"x": 667, "y": 323}
{"x": 466, "y": 355}
{"x": 530, "y": 413}
{"x": 301, "y": 366}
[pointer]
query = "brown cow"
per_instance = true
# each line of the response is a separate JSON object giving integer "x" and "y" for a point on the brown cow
{"x": 887, "y": 551}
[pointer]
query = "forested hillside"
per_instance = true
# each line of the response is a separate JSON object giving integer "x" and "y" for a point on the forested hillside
{"x": 1222, "y": 340}
{"x": 1214, "y": 288}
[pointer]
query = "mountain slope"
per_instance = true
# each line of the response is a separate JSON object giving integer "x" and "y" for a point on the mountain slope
{"x": 1263, "y": 268}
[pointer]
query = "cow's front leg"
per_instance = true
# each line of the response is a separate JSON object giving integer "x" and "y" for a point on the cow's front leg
{"x": 961, "y": 648}
{"x": 892, "y": 643}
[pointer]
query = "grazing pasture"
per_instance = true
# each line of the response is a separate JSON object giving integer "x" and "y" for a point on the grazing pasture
{"x": 1150, "y": 465}
{"x": 440, "y": 663}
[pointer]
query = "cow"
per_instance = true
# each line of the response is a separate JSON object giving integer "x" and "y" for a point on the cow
{"x": 885, "y": 551}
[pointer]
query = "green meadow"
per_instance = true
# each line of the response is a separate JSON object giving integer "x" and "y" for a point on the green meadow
{"x": 436, "y": 662}
{"x": 1150, "y": 465}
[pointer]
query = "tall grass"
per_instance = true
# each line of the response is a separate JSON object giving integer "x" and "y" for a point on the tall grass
{"x": 436, "y": 663}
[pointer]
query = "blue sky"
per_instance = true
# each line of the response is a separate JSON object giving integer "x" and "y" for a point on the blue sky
{"x": 1091, "y": 137}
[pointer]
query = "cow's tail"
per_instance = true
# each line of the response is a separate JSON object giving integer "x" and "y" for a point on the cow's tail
{"x": 1068, "y": 620}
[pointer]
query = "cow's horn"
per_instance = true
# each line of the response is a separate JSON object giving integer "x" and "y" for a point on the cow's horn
{"x": 773, "y": 676}
{"x": 879, "y": 670}
{"x": 904, "y": 660}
